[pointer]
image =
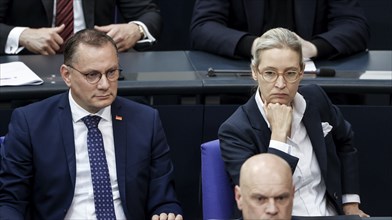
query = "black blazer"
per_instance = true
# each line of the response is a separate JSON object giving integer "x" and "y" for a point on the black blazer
{"x": 245, "y": 133}
{"x": 39, "y": 13}
{"x": 218, "y": 25}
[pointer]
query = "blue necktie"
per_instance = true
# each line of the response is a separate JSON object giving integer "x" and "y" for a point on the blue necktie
{"x": 103, "y": 197}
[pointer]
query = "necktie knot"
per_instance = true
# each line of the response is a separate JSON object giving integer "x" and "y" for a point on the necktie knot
{"x": 91, "y": 121}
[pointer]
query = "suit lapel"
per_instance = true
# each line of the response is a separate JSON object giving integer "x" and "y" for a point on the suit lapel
{"x": 257, "y": 121}
{"x": 88, "y": 11}
{"x": 254, "y": 12}
{"x": 304, "y": 11}
{"x": 48, "y": 5}
{"x": 66, "y": 126}
{"x": 312, "y": 123}
{"x": 120, "y": 140}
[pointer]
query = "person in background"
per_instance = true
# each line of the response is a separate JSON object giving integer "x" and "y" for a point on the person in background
{"x": 299, "y": 124}
{"x": 327, "y": 28}
{"x": 42, "y": 27}
{"x": 87, "y": 153}
{"x": 265, "y": 189}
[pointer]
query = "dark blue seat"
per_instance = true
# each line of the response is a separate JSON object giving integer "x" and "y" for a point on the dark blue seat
{"x": 217, "y": 191}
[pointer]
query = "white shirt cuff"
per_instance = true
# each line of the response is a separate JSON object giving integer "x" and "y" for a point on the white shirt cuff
{"x": 147, "y": 35}
{"x": 350, "y": 198}
{"x": 12, "y": 44}
{"x": 280, "y": 146}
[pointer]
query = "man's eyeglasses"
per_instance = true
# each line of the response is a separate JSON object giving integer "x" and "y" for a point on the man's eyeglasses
{"x": 290, "y": 76}
{"x": 94, "y": 76}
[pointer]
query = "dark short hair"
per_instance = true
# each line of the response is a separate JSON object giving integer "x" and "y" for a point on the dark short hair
{"x": 90, "y": 37}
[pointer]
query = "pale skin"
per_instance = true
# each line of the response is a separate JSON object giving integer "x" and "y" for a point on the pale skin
{"x": 309, "y": 50}
{"x": 44, "y": 41}
{"x": 278, "y": 97}
{"x": 124, "y": 35}
{"x": 164, "y": 216}
{"x": 93, "y": 97}
{"x": 266, "y": 189}
{"x": 47, "y": 41}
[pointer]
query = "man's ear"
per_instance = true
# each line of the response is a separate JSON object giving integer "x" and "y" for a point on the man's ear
{"x": 65, "y": 74}
{"x": 238, "y": 196}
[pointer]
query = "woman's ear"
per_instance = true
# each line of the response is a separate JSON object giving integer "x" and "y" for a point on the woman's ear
{"x": 254, "y": 73}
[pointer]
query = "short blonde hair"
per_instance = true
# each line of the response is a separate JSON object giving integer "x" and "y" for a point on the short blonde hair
{"x": 275, "y": 38}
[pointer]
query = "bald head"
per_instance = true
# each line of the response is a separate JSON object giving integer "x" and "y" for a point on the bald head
{"x": 266, "y": 165}
{"x": 266, "y": 188}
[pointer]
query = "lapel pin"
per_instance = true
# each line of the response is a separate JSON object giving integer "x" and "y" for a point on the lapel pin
{"x": 118, "y": 118}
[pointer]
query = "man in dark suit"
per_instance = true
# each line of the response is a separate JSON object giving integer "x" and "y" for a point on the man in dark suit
{"x": 328, "y": 28}
{"x": 45, "y": 156}
{"x": 298, "y": 124}
{"x": 32, "y": 24}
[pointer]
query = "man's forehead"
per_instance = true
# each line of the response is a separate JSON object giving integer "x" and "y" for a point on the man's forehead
{"x": 267, "y": 189}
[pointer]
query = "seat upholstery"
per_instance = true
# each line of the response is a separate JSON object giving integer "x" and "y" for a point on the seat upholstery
{"x": 217, "y": 191}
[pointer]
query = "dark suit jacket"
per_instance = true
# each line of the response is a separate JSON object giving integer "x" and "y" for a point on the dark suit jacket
{"x": 218, "y": 25}
{"x": 39, "y": 13}
{"x": 38, "y": 166}
{"x": 245, "y": 134}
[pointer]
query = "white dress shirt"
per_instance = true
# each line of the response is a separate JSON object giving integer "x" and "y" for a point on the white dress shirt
{"x": 12, "y": 44}
{"x": 82, "y": 206}
{"x": 310, "y": 190}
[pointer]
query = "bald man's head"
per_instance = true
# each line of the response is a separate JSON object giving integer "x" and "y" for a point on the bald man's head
{"x": 268, "y": 165}
{"x": 266, "y": 188}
